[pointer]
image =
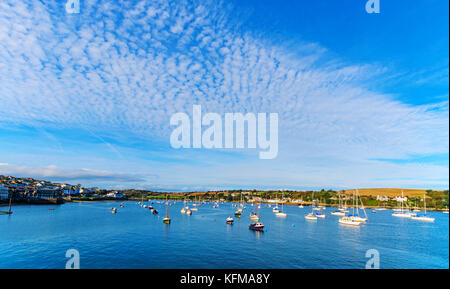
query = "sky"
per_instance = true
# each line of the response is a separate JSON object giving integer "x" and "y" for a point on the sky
{"x": 362, "y": 99}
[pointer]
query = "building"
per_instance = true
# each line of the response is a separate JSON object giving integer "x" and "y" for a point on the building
{"x": 116, "y": 195}
{"x": 400, "y": 199}
{"x": 382, "y": 198}
{"x": 4, "y": 192}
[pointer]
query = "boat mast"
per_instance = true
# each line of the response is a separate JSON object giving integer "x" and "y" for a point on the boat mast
{"x": 167, "y": 206}
{"x": 424, "y": 204}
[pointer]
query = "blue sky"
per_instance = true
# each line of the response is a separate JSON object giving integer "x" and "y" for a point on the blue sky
{"x": 362, "y": 98}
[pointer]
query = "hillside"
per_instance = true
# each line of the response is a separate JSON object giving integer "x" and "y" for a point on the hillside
{"x": 388, "y": 192}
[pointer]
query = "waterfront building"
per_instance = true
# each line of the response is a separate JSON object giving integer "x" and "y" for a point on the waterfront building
{"x": 4, "y": 192}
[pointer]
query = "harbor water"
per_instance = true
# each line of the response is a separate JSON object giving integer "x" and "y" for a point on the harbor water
{"x": 39, "y": 237}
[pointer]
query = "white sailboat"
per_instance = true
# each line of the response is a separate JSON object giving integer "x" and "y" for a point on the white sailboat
{"x": 355, "y": 216}
{"x": 349, "y": 221}
{"x": 401, "y": 213}
{"x": 281, "y": 213}
{"x": 424, "y": 217}
{"x": 276, "y": 209}
{"x": 311, "y": 216}
{"x": 340, "y": 211}
{"x": 194, "y": 205}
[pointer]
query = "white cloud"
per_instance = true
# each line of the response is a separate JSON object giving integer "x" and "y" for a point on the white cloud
{"x": 55, "y": 173}
{"x": 127, "y": 66}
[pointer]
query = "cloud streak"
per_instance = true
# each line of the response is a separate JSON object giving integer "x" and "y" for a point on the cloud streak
{"x": 68, "y": 174}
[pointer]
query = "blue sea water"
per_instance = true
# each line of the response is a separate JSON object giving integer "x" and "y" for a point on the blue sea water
{"x": 36, "y": 237}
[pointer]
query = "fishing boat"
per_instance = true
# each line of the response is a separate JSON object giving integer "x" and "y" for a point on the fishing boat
{"x": 258, "y": 226}
{"x": 401, "y": 213}
{"x": 281, "y": 213}
{"x": 229, "y": 220}
{"x": 349, "y": 221}
{"x": 423, "y": 217}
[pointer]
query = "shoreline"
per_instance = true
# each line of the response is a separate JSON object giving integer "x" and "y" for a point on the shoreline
{"x": 307, "y": 204}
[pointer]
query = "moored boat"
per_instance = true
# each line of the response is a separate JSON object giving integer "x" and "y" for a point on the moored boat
{"x": 348, "y": 221}
{"x": 338, "y": 213}
{"x": 423, "y": 217}
{"x": 310, "y": 216}
{"x": 258, "y": 226}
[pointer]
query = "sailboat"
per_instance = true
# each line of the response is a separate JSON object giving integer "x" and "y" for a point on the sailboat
{"x": 166, "y": 219}
{"x": 321, "y": 214}
{"x": 194, "y": 205}
{"x": 311, "y": 216}
{"x": 183, "y": 210}
{"x": 355, "y": 216}
{"x": 349, "y": 221}
{"x": 238, "y": 212}
{"x": 423, "y": 217}
{"x": 254, "y": 215}
{"x": 229, "y": 220}
{"x": 281, "y": 213}
{"x": 340, "y": 211}
{"x": 257, "y": 226}
{"x": 402, "y": 213}
{"x": 276, "y": 209}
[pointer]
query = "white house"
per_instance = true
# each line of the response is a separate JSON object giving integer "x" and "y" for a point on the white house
{"x": 382, "y": 198}
{"x": 400, "y": 199}
{"x": 116, "y": 195}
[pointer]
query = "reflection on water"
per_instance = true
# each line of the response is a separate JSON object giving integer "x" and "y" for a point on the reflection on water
{"x": 36, "y": 237}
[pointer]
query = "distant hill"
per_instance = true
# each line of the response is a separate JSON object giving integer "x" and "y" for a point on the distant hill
{"x": 388, "y": 192}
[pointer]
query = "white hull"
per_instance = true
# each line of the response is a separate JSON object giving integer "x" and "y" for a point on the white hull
{"x": 281, "y": 214}
{"x": 358, "y": 219}
{"x": 402, "y": 215}
{"x": 310, "y": 217}
{"x": 338, "y": 213}
{"x": 423, "y": 219}
{"x": 347, "y": 222}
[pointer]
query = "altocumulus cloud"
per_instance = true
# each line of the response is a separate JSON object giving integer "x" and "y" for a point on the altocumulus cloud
{"x": 129, "y": 65}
